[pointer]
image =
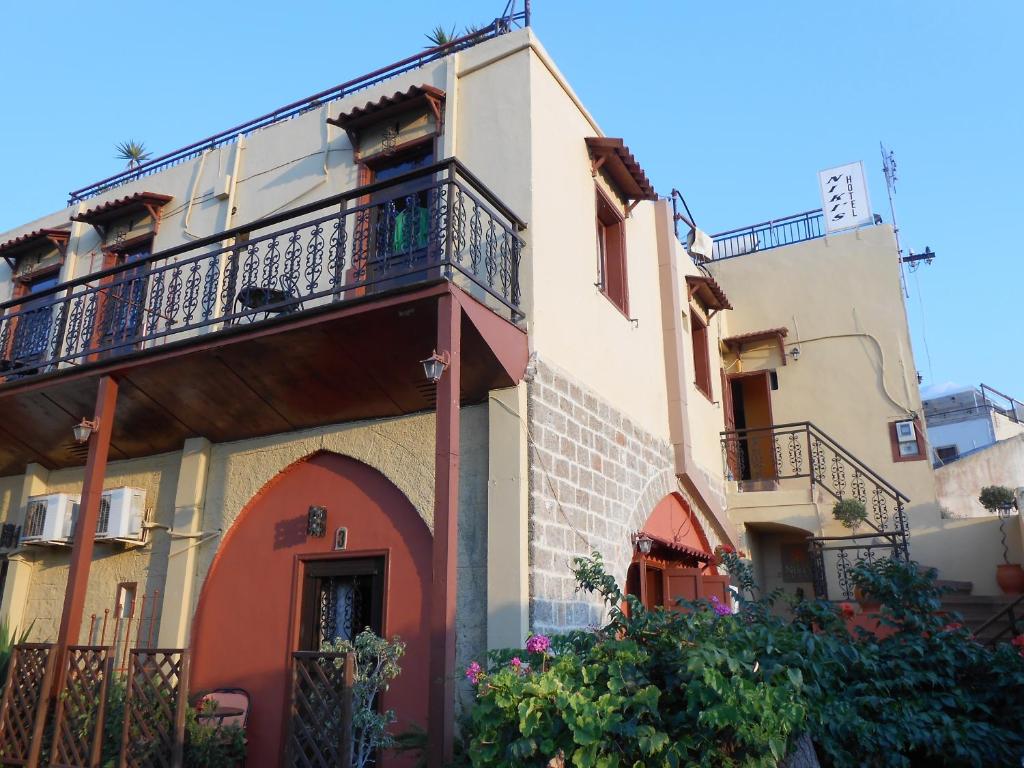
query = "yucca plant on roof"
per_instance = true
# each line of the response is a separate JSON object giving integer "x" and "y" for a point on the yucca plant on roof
{"x": 133, "y": 152}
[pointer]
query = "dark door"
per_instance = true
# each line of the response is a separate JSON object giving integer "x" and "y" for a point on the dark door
{"x": 32, "y": 329}
{"x": 340, "y": 598}
{"x": 752, "y": 417}
{"x": 125, "y": 300}
{"x": 396, "y": 227}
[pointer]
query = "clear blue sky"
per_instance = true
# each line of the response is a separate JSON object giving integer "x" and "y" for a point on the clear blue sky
{"x": 737, "y": 104}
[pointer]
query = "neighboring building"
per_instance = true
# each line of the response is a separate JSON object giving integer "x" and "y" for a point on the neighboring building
{"x": 970, "y": 419}
{"x": 822, "y": 403}
{"x": 245, "y": 322}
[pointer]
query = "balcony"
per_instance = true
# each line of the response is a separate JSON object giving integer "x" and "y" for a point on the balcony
{"x": 315, "y": 315}
{"x": 768, "y": 234}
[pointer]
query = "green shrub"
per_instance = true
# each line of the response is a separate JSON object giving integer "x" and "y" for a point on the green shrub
{"x": 994, "y": 497}
{"x": 850, "y": 512}
{"x": 704, "y": 688}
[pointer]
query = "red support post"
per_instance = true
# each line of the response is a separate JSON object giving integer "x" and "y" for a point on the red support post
{"x": 85, "y": 528}
{"x": 441, "y": 725}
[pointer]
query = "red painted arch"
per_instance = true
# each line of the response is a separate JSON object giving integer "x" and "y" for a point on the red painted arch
{"x": 245, "y": 625}
{"x": 673, "y": 520}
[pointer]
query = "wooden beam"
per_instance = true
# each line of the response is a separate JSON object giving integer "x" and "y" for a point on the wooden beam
{"x": 85, "y": 528}
{"x": 444, "y": 587}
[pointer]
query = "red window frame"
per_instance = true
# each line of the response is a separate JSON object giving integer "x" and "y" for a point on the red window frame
{"x": 613, "y": 279}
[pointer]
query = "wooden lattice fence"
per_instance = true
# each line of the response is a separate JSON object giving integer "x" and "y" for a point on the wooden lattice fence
{"x": 320, "y": 721}
{"x": 156, "y": 700}
{"x": 81, "y": 707}
{"x": 25, "y": 701}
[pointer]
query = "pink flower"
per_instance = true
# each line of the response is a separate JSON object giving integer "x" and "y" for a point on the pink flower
{"x": 473, "y": 672}
{"x": 538, "y": 644}
{"x": 517, "y": 665}
{"x": 846, "y": 610}
{"x": 720, "y": 608}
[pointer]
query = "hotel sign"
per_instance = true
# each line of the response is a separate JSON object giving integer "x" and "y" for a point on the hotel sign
{"x": 844, "y": 197}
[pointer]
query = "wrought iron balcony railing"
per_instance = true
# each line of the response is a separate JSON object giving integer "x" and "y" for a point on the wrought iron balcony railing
{"x": 802, "y": 451}
{"x": 435, "y": 223}
{"x": 769, "y": 234}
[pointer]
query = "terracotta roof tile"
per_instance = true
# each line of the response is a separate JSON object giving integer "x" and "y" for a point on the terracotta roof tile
{"x": 622, "y": 167}
{"x": 124, "y": 204}
{"x": 397, "y": 102}
{"x": 685, "y": 549}
{"x": 30, "y": 239}
{"x": 709, "y": 291}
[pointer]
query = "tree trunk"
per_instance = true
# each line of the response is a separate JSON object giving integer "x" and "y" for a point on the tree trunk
{"x": 802, "y": 754}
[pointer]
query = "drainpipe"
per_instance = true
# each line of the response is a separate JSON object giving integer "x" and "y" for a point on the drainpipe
{"x": 677, "y": 375}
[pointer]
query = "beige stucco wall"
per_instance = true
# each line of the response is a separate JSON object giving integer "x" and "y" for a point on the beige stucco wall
{"x": 840, "y": 299}
{"x": 112, "y": 563}
{"x": 959, "y": 482}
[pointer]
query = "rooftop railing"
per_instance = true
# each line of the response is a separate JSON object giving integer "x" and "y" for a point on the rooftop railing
{"x": 435, "y": 223}
{"x": 769, "y": 234}
{"x": 510, "y": 18}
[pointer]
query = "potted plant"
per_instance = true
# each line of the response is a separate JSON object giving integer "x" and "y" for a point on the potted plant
{"x": 1000, "y": 500}
{"x": 850, "y": 512}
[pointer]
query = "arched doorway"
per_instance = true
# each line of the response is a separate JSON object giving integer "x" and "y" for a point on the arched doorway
{"x": 672, "y": 558}
{"x": 266, "y": 592}
{"x": 782, "y": 559}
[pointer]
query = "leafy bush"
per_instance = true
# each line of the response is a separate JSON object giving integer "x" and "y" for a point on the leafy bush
{"x": 209, "y": 744}
{"x": 994, "y": 497}
{"x": 850, "y": 512}
{"x": 673, "y": 688}
{"x": 376, "y": 666}
{"x": 9, "y": 639}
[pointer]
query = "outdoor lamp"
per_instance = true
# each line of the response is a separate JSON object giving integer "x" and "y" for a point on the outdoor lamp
{"x": 795, "y": 353}
{"x": 643, "y": 543}
{"x": 85, "y": 429}
{"x": 434, "y": 366}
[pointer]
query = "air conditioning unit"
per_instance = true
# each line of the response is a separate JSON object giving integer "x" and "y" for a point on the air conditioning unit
{"x": 121, "y": 513}
{"x": 49, "y": 518}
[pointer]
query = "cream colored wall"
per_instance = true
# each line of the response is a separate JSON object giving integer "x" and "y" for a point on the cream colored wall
{"x": 1005, "y": 428}
{"x": 573, "y": 325}
{"x": 10, "y": 499}
{"x": 960, "y": 481}
{"x": 840, "y": 299}
{"x": 111, "y": 564}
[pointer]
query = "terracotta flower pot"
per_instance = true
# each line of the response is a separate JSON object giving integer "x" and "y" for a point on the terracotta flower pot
{"x": 867, "y": 602}
{"x": 1010, "y": 579}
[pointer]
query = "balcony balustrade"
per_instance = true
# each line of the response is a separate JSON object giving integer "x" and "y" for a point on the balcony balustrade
{"x": 432, "y": 224}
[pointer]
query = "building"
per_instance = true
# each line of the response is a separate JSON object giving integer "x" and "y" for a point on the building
{"x": 360, "y": 362}
{"x": 821, "y": 402}
{"x": 970, "y": 419}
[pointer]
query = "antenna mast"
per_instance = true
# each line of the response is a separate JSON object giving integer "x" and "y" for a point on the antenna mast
{"x": 889, "y": 169}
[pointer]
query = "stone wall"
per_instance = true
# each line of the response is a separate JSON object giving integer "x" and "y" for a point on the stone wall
{"x": 595, "y": 476}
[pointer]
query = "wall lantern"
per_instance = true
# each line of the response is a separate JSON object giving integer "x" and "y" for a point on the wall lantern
{"x": 434, "y": 366}
{"x": 642, "y": 542}
{"x": 316, "y": 522}
{"x": 84, "y": 429}
{"x": 795, "y": 353}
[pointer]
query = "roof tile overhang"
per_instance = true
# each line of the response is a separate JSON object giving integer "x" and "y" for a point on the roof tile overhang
{"x": 151, "y": 202}
{"x": 614, "y": 157}
{"x": 674, "y": 547}
{"x": 14, "y": 247}
{"x": 736, "y": 343}
{"x": 388, "y": 106}
{"x": 707, "y": 291}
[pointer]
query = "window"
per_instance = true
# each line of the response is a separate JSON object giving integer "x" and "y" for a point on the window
{"x": 947, "y": 453}
{"x": 611, "y": 254}
{"x": 33, "y": 326}
{"x": 906, "y": 440}
{"x": 125, "y": 605}
{"x": 701, "y": 354}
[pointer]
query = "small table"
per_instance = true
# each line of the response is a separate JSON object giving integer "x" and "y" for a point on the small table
{"x": 221, "y": 713}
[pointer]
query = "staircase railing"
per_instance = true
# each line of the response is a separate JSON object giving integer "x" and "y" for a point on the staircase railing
{"x": 800, "y": 450}
{"x": 1013, "y": 615}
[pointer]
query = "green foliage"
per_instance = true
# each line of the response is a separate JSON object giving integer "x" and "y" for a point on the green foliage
{"x": 9, "y": 639}
{"x": 133, "y": 152}
{"x": 850, "y": 512}
{"x": 440, "y": 36}
{"x": 209, "y": 744}
{"x": 995, "y": 497}
{"x": 672, "y": 688}
{"x": 376, "y": 666}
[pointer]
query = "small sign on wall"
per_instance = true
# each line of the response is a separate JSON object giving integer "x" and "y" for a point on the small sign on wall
{"x": 844, "y": 197}
{"x": 340, "y": 539}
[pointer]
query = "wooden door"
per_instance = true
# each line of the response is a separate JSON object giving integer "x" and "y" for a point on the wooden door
{"x": 692, "y": 585}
